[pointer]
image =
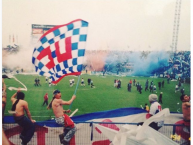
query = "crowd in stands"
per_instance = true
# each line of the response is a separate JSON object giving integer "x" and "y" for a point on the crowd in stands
{"x": 12, "y": 48}
{"x": 179, "y": 65}
{"x": 116, "y": 62}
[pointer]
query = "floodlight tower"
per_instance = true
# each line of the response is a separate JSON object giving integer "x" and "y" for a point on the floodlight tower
{"x": 176, "y": 25}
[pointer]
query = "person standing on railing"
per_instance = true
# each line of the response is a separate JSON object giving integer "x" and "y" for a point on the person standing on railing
{"x": 62, "y": 118}
{"x": 19, "y": 106}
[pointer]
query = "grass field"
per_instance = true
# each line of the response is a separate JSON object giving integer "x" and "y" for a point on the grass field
{"x": 103, "y": 97}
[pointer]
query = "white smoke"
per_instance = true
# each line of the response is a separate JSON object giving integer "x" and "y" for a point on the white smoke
{"x": 141, "y": 65}
{"x": 20, "y": 60}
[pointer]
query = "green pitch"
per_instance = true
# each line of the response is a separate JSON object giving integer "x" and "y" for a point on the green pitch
{"x": 103, "y": 97}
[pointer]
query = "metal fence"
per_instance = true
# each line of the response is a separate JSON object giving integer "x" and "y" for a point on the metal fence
{"x": 87, "y": 133}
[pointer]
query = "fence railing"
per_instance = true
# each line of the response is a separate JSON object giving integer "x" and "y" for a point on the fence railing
{"x": 87, "y": 133}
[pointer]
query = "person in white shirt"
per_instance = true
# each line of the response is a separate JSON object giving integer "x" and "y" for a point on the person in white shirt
{"x": 71, "y": 82}
{"x": 82, "y": 82}
{"x": 50, "y": 82}
{"x": 46, "y": 79}
{"x": 154, "y": 109}
{"x": 154, "y": 89}
{"x": 176, "y": 88}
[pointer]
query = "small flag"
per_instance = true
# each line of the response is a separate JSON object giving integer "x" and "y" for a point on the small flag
{"x": 60, "y": 51}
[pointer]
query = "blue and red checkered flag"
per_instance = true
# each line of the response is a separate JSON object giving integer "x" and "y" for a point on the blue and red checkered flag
{"x": 60, "y": 51}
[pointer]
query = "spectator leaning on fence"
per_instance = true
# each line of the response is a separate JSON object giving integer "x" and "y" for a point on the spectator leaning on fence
{"x": 62, "y": 118}
{"x": 154, "y": 109}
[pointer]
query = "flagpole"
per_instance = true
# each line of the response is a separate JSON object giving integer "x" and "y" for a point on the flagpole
{"x": 77, "y": 85}
{"x": 75, "y": 90}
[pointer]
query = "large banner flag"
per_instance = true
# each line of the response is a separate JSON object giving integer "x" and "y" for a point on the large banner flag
{"x": 105, "y": 128}
{"x": 60, "y": 51}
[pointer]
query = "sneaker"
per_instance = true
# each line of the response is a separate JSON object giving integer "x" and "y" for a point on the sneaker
{"x": 61, "y": 136}
{"x": 23, "y": 143}
{"x": 21, "y": 136}
{"x": 65, "y": 142}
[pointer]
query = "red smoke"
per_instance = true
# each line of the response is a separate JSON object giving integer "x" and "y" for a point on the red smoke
{"x": 96, "y": 60}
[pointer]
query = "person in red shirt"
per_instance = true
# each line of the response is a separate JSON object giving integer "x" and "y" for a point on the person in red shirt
{"x": 45, "y": 99}
{"x": 130, "y": 82}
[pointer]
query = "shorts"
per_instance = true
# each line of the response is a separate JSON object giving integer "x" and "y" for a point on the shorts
{"x": 60, "y": 120}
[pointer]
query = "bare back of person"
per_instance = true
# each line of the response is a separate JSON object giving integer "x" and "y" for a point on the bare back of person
{"x": 21, "y": 105}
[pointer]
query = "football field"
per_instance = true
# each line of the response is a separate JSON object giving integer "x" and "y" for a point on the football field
{"x": 101, "y": 98}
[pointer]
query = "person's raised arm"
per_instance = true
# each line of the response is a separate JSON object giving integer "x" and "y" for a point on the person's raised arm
{"x": 68, "y": 102}
{"x": 14, "y": 95}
